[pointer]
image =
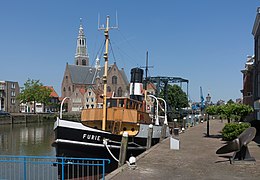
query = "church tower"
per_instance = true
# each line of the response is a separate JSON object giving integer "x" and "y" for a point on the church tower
{"x": 81, "y": 56}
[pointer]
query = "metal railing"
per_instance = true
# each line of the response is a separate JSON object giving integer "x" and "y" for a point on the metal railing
{"x": 45, "y": 167}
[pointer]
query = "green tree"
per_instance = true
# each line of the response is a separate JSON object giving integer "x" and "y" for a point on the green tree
{"x": 241, "y": 111}
{"x": 230, "y": 101}
{"x": 176, "y": 97}
{"x": 212, "y": 110}
{"x": 237, "y": 111}
{"x": 34, "y": 91}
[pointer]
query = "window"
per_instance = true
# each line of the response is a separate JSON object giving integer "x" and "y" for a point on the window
{"x": 84, "y": 62}
{"x": 66, "y": 77}
{"x": 108, "y": 89}
{"x": 114, "y": 80}
{"x": 13, "y": 86}
{"x": 12, "y": 101}
{"x": 12, "y": 93}
{"x": 69, "y": 88}
{"x": 92, "y": 99}
{"x": 119, "y": 92}
{"x": 89, "y": 93}
{"x": 64, "y": 89}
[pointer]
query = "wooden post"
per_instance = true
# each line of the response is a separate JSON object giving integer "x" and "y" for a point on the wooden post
{"x": 149, "y": 137}
{"x": 163, "y": 132}
{"x": 123, "y": 149}
{"x": 11, "y": 119}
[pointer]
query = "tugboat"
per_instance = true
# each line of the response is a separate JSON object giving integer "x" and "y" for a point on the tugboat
{"x": 99, "y": 133}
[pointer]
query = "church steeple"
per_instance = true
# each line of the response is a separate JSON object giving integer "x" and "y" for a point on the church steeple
{"x": 81, "y": 56}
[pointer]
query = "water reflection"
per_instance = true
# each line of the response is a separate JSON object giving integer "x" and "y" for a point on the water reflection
{"x": 33, "y": 139}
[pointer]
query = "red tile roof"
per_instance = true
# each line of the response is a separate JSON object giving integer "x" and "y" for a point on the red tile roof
{"x": 53, "y": 92}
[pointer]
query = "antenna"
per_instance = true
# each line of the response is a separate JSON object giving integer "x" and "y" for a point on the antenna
{"x": 102, "y": 26}
{"x": 117, "y": 21}
{"x": 146, "y": 70}
{"x": 98, "y": 20}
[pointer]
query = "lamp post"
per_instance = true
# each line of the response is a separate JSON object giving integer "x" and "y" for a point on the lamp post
{"x": 208, "y": 98}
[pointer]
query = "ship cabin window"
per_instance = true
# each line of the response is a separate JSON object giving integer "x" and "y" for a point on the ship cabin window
{"x": 112, "y": 102}
{"x": 124, "y": 102}
{"x": 121, "y": 103}
{"x": 132, "y": 104}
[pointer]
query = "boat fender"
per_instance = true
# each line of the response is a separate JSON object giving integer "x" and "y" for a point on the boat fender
{"x": 132, "y": 162}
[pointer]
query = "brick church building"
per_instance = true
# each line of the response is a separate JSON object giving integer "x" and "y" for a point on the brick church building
{"x": 83, "y": 83}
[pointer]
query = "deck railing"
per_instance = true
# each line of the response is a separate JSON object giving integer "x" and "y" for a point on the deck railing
{"x": 45, "y": 167}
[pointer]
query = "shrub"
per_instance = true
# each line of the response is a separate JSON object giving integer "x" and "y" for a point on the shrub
{"x": 232, "y": 130}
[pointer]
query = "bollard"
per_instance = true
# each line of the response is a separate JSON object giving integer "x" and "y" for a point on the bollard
{"x": 174, "y": 140}
{"x": 163, "y": 132}
{"x": 149, "y": 137}
{"x": 123, "y": 149}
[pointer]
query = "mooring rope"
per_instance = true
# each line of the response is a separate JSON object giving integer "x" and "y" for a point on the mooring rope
{"x": 105, "y": 143}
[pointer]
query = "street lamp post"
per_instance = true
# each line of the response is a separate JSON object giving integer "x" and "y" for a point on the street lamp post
{"x": 208, "y": 98}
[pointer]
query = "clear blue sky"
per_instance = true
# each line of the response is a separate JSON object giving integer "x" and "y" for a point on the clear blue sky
{"x": 204, "y": 41}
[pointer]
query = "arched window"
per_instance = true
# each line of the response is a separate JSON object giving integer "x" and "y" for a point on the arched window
{"x": 114, "y": 80}
{"x": 69, "y": 88}
{"x": 64, "y": 89}
{"x": 108, "y": 89}
{"x": 119, "y": 92}
{"x": 84, "y": 62}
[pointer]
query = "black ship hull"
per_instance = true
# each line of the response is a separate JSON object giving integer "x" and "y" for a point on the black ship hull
{"x": 72, "y": 139}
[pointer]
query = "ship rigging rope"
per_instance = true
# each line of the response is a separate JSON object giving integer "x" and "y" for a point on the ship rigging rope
{"x": 112, "y": 51}
{"x": 105, "y": 143}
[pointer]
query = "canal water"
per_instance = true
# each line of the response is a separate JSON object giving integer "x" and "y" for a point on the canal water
{"x": 33, "y": 139}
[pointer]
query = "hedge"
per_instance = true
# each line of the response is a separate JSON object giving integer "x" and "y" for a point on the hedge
{"x": 232, "y": 130}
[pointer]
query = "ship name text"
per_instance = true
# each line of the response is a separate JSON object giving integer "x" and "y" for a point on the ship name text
{"x": 91, "y": 137}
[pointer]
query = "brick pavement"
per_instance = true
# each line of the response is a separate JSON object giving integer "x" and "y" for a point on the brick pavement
{"x": 196, "y": 159}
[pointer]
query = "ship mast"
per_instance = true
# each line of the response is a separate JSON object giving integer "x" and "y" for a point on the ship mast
{"x": 106, "y": 30}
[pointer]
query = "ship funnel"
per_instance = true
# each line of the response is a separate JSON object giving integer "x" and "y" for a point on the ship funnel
{"x": 136, "y": 83}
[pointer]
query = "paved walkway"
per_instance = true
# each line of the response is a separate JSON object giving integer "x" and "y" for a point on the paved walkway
{"x": 196, "y": 159}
